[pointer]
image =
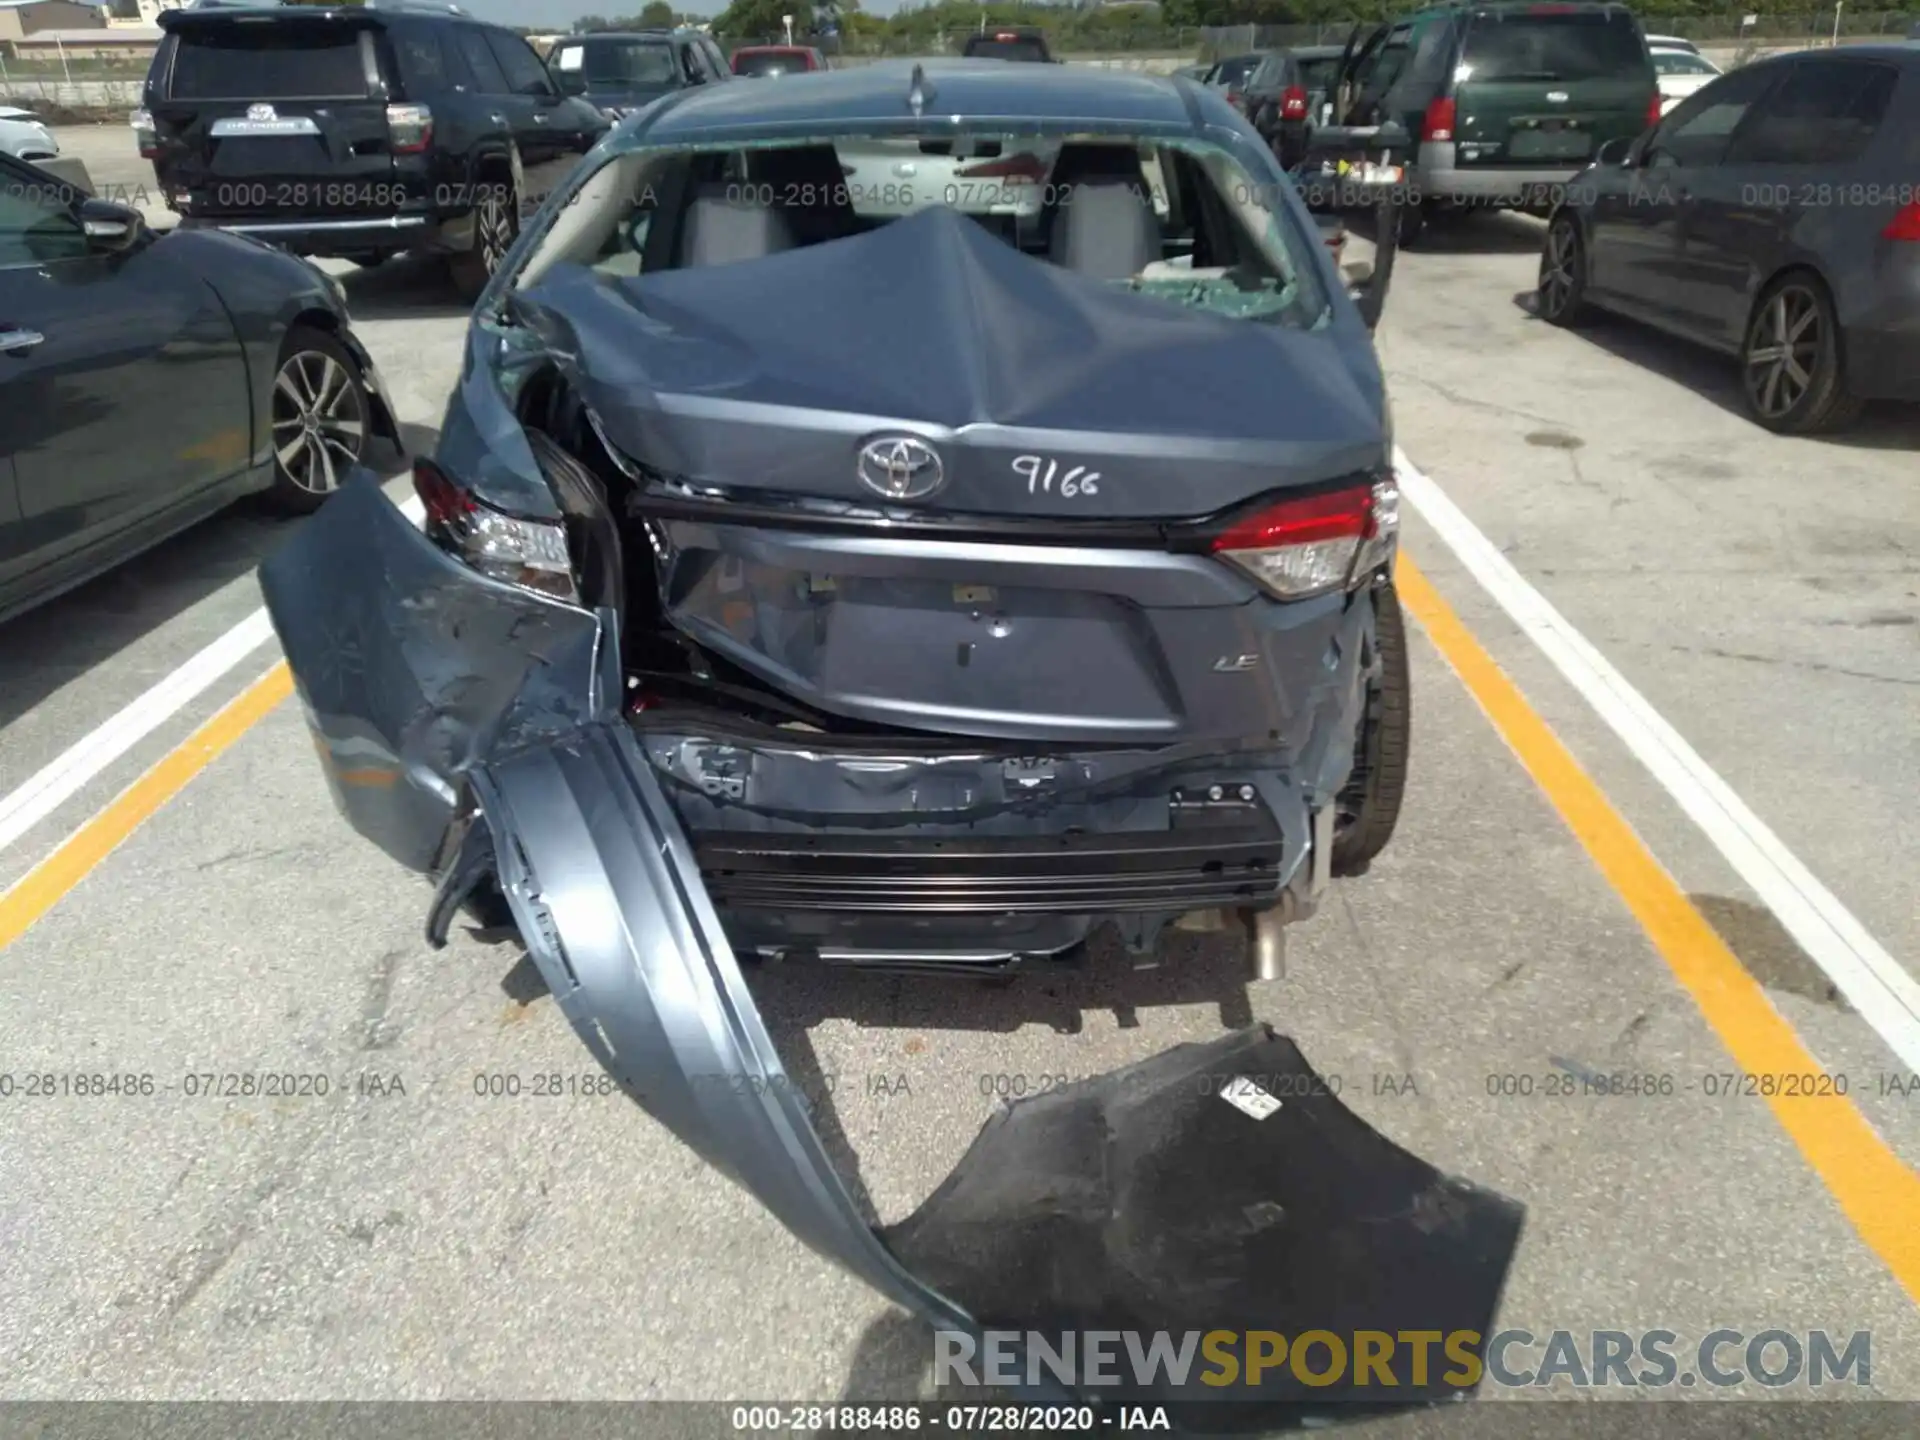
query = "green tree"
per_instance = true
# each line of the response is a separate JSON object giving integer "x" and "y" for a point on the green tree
{"x": 658, "y": 15}
{"x": 757, "y": 19}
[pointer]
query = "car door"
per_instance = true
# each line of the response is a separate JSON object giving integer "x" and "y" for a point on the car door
{"x": 497, "y": 105}
{"x": 123, "y": 390}
{"x": 1638, "y": 248}
{"x": 551, "y": 130}
{"x": 1784, "y": 175}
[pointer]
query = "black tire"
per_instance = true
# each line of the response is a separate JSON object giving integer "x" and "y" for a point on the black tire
{"x": 321, "y": 420}
{"x": 1792, "y": 365}
{"x": 1561, "y": 289}
{"x": 1367, "y": 810}
{"x": 496, "y": 224}
{"x": 1413, "y": 223}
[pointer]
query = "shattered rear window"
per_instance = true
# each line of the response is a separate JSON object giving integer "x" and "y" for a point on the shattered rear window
{"x": 1246, "y": 256}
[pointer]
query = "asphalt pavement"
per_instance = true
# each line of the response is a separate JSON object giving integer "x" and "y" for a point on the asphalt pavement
{"x": 408, "y": 1237}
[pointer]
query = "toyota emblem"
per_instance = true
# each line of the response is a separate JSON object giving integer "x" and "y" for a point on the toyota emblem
{"x": 262, "y": 112}
{"x": 900, "y": 467}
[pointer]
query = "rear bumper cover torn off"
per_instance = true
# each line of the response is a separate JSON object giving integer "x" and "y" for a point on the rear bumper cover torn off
{"x": 1138, "y": 1201}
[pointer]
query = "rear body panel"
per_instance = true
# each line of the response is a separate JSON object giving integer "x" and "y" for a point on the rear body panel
{"x": 278, "y": 120}
{"x": 453, "y": 698}
{"x": 1536, "y": 90}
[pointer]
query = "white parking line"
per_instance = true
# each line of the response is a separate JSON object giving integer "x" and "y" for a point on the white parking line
{"x": 89, "y": 757}
{"x": 1876, "y": 985}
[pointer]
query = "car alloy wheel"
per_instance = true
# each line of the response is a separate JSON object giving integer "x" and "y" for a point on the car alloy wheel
{"x": 494, "y": 224}
{"x": 1559, "y": 272}
{"x": 319, "y": 421}
{"x": 1785, "y": 348}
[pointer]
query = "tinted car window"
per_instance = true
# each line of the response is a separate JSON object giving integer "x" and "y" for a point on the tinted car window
{"x": 524, "y": 71}
{"x": 1680, "y": 62}
{"x": 36, "y": 228}
{"x": 423, "y": 65}
{"x": 1575, "y": 45}
{"x": 1699, "y": 130}
{"x": 268, "y": 62}
{"x": 770, "y": 62}
{"x": 1232, "y": 74}
{"x": 1271, "y": 75}
{"x": 1824, "y": 113}
{"x": 488, "y": 77}
{"x": 1320, "y": 74}
{"x": 1021, "y": 49}
{"x": 622, "y": 62}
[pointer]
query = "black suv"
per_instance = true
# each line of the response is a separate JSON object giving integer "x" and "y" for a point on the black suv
{"x": 625, "y": 70}
{"x": 1011, "y": 42}
{"x": 358, "y": 132}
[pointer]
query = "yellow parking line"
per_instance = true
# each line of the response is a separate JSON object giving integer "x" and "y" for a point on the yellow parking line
{"x": 1878, "y": 1193}
{"x": 47, "y": 883}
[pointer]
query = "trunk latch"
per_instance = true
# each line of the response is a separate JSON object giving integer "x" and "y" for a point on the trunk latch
{"x": 719, "y": 770}
{"x": 1028, "y": 773}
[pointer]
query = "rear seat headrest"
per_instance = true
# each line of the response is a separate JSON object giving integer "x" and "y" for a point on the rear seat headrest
{"x": 719, "y": 228}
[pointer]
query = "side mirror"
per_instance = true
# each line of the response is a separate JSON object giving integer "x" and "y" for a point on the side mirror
{"x": 1615, "y": 152}
{"x": 109, "y": 227}
{"x": 570, "y": 83}
{"x": 1363, "y": 168}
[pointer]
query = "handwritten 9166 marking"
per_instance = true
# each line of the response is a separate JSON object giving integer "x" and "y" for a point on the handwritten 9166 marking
{"x": 1043, "y": 475}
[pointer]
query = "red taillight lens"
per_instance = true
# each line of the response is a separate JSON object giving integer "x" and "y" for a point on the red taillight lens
{"x": 1024, "y": 167}
{"x": 1234, "y": 98}
{"x": 1309, "y": 545}
{"x": 1293, "y": 103}
{"x": 1438, "y": 124}
{"x": 532, "y": 554}
{"x": 1654, "y": 108}
{"x": 1905, "y": 224}
{"x": 445, "y": 502}
{"x": 409, "y": 129}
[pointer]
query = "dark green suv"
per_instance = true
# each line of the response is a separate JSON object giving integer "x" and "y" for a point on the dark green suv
{"x": 1508, "y": 101}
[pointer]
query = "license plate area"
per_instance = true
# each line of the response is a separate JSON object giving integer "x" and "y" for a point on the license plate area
{"x": 1549, "y": 138}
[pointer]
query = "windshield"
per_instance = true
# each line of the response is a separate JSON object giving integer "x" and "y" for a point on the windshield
{"x": 1182, "y": 222}
{"x": 273, "y": 61}
{"x": 770, "y": 62}
{"x": 619, "y": 63}
{"x": 1573, "y": 45}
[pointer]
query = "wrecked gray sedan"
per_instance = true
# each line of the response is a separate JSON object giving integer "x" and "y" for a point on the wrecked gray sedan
{"x": 810, "y": 575}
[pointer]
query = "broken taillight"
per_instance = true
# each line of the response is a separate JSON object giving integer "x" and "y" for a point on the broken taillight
{"x": 1293, "y": 103}
{"x": 409, "y": 129}
{"x": 1307, "y": 545}
{"x": 532, "y": 554}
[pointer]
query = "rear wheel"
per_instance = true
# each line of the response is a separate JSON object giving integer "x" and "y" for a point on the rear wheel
{"x": 1413, "y": 223}
{"x": 1562, "y": 291}
{"x": 496, "y": 221}
{"x": 321, "y": 419}
{"x": 1791, "y": 362}
{"x": 1366, "y": 811}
